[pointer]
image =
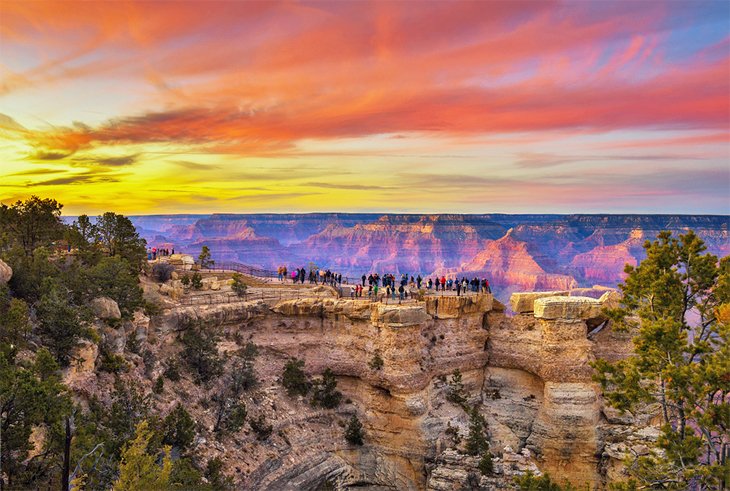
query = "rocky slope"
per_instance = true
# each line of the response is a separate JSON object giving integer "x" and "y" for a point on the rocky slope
{"x": 528, "y": 375}
{"x": 554, "y": 249}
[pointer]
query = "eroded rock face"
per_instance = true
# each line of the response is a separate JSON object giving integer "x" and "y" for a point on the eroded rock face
{"x": 530, "y": 377}
{"x": 5, "y": 272}
{"x": 106, "y": 308}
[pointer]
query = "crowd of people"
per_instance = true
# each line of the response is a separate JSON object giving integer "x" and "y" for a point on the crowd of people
{"x": 374, "y": 285}
{"x": 315, "y": 276}
{"x": 153, "y": 253}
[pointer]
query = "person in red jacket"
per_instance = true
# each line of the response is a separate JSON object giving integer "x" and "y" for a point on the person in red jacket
{"x": 443, "y": 283}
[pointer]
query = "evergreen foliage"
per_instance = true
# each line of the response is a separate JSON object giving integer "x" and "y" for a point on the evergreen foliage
{"x": 455, "y": 392}
{"x": 196, "y": 281}
{"x": 324, "y": 391}
{"x": 205, "y": 258}
{"x": 117, "y": 236}
{"x": 261, "y": 427}
{"x": 376, "y": 362}
{"x": 31, "y": 224}
{"x": 178, "y": 428}
{"x": 294, "y": 379}
{"x": 138, "y": 468}
{"x": 162, "y": 272}
{"x": 680, "y": 365}
{"x": 354, "y": 431}
{"x": 200, "y": 353}
{"x": 238, "y": 286}
{"x": 530, "y": 482}
{"x": 477, "y": 442}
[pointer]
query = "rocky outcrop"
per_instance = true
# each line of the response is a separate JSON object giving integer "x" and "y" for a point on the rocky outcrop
{"x": 6, "y": 272}
{"x": 524, "y": 302}
{"x": 568, "y": 308}
{"x": 105, "y": 308}
{"x": 181, "y": 261}
{"x": 529, "y": 375}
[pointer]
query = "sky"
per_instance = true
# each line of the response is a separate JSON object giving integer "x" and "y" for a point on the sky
{"x": 413, "y": 106}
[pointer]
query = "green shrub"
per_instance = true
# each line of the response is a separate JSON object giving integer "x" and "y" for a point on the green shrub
{"x": 162, "y": 272}
{"x": 476, "y": 442}
{"x": 184, "y": 475}
{"x": 159, "y": 386}
{"x": 324, "y": 391}
{"x": 172, "y": 372}
{"x": 455, "y": 392}
{"x": 486, "y": 466}
{"x": 110, "y": 362}
{"x": 196, "y": 281}
{"x": 530, "y": 482}
{"x": 294, "y": 379}
{"x": 237, "y": 417}
{"x": 185, "y": 280}
{"x": 178, "y": 428}
{"x": 238, "y": 286}
{"x": 200, "y": 353}
{"x": 353, "y": 432}
{"x": 376, "y": 363}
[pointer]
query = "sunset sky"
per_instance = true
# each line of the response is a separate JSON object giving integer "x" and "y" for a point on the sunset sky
{"x": 469, "y": 107}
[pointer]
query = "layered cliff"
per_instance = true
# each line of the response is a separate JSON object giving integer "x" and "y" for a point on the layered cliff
{"x": 528, "y": 376}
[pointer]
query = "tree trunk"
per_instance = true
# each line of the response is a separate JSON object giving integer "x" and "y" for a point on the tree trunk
{"x": 66, "y": 457}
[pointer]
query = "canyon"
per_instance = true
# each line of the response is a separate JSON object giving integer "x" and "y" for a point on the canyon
{"x": 528, "y": 374}
{"x": 515, "y": 252}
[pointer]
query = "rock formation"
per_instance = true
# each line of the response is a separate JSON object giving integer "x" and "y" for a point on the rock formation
{"x": 5, "y": 272}
{"x": 105, "y": 308}
{"x": 529, "y": 375}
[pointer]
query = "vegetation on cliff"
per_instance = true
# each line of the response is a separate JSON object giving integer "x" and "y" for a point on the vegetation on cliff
{"x": 678, "y": 301}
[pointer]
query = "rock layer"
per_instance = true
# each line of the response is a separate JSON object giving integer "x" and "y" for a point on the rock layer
{"x": 529, "y": 375}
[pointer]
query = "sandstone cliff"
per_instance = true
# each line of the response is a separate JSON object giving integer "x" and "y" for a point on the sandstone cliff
{"x": 528, "y": 375}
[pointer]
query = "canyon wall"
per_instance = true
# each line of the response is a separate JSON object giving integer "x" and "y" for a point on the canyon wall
{"x": 528, "y": 375}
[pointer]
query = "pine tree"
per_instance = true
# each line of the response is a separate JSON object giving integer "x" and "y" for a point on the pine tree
{"x": 455, "y": 391}
{"x": 353, "y": 431}
{"x": 682, "y": 366}
{"x": 205, "y": 258}
{"x": 138, "y": 468}
{"x": 294, "y": 379}
{"x": 325, "y": 393}
{"x": 476, "y": 442}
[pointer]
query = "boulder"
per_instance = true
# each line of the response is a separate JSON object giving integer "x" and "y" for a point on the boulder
{"x": 182, "y": 261}
{"x": 106, "y": 308}
{"x": 524, "y": 302}
{"x": 5, "y": 273}
{"x": 611, "y": 299}
{"x": 570, "y": 308}
{"x": 172, "y": 290}
{"x": 211, "y": 283}
{"x": 84, "y": 357}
